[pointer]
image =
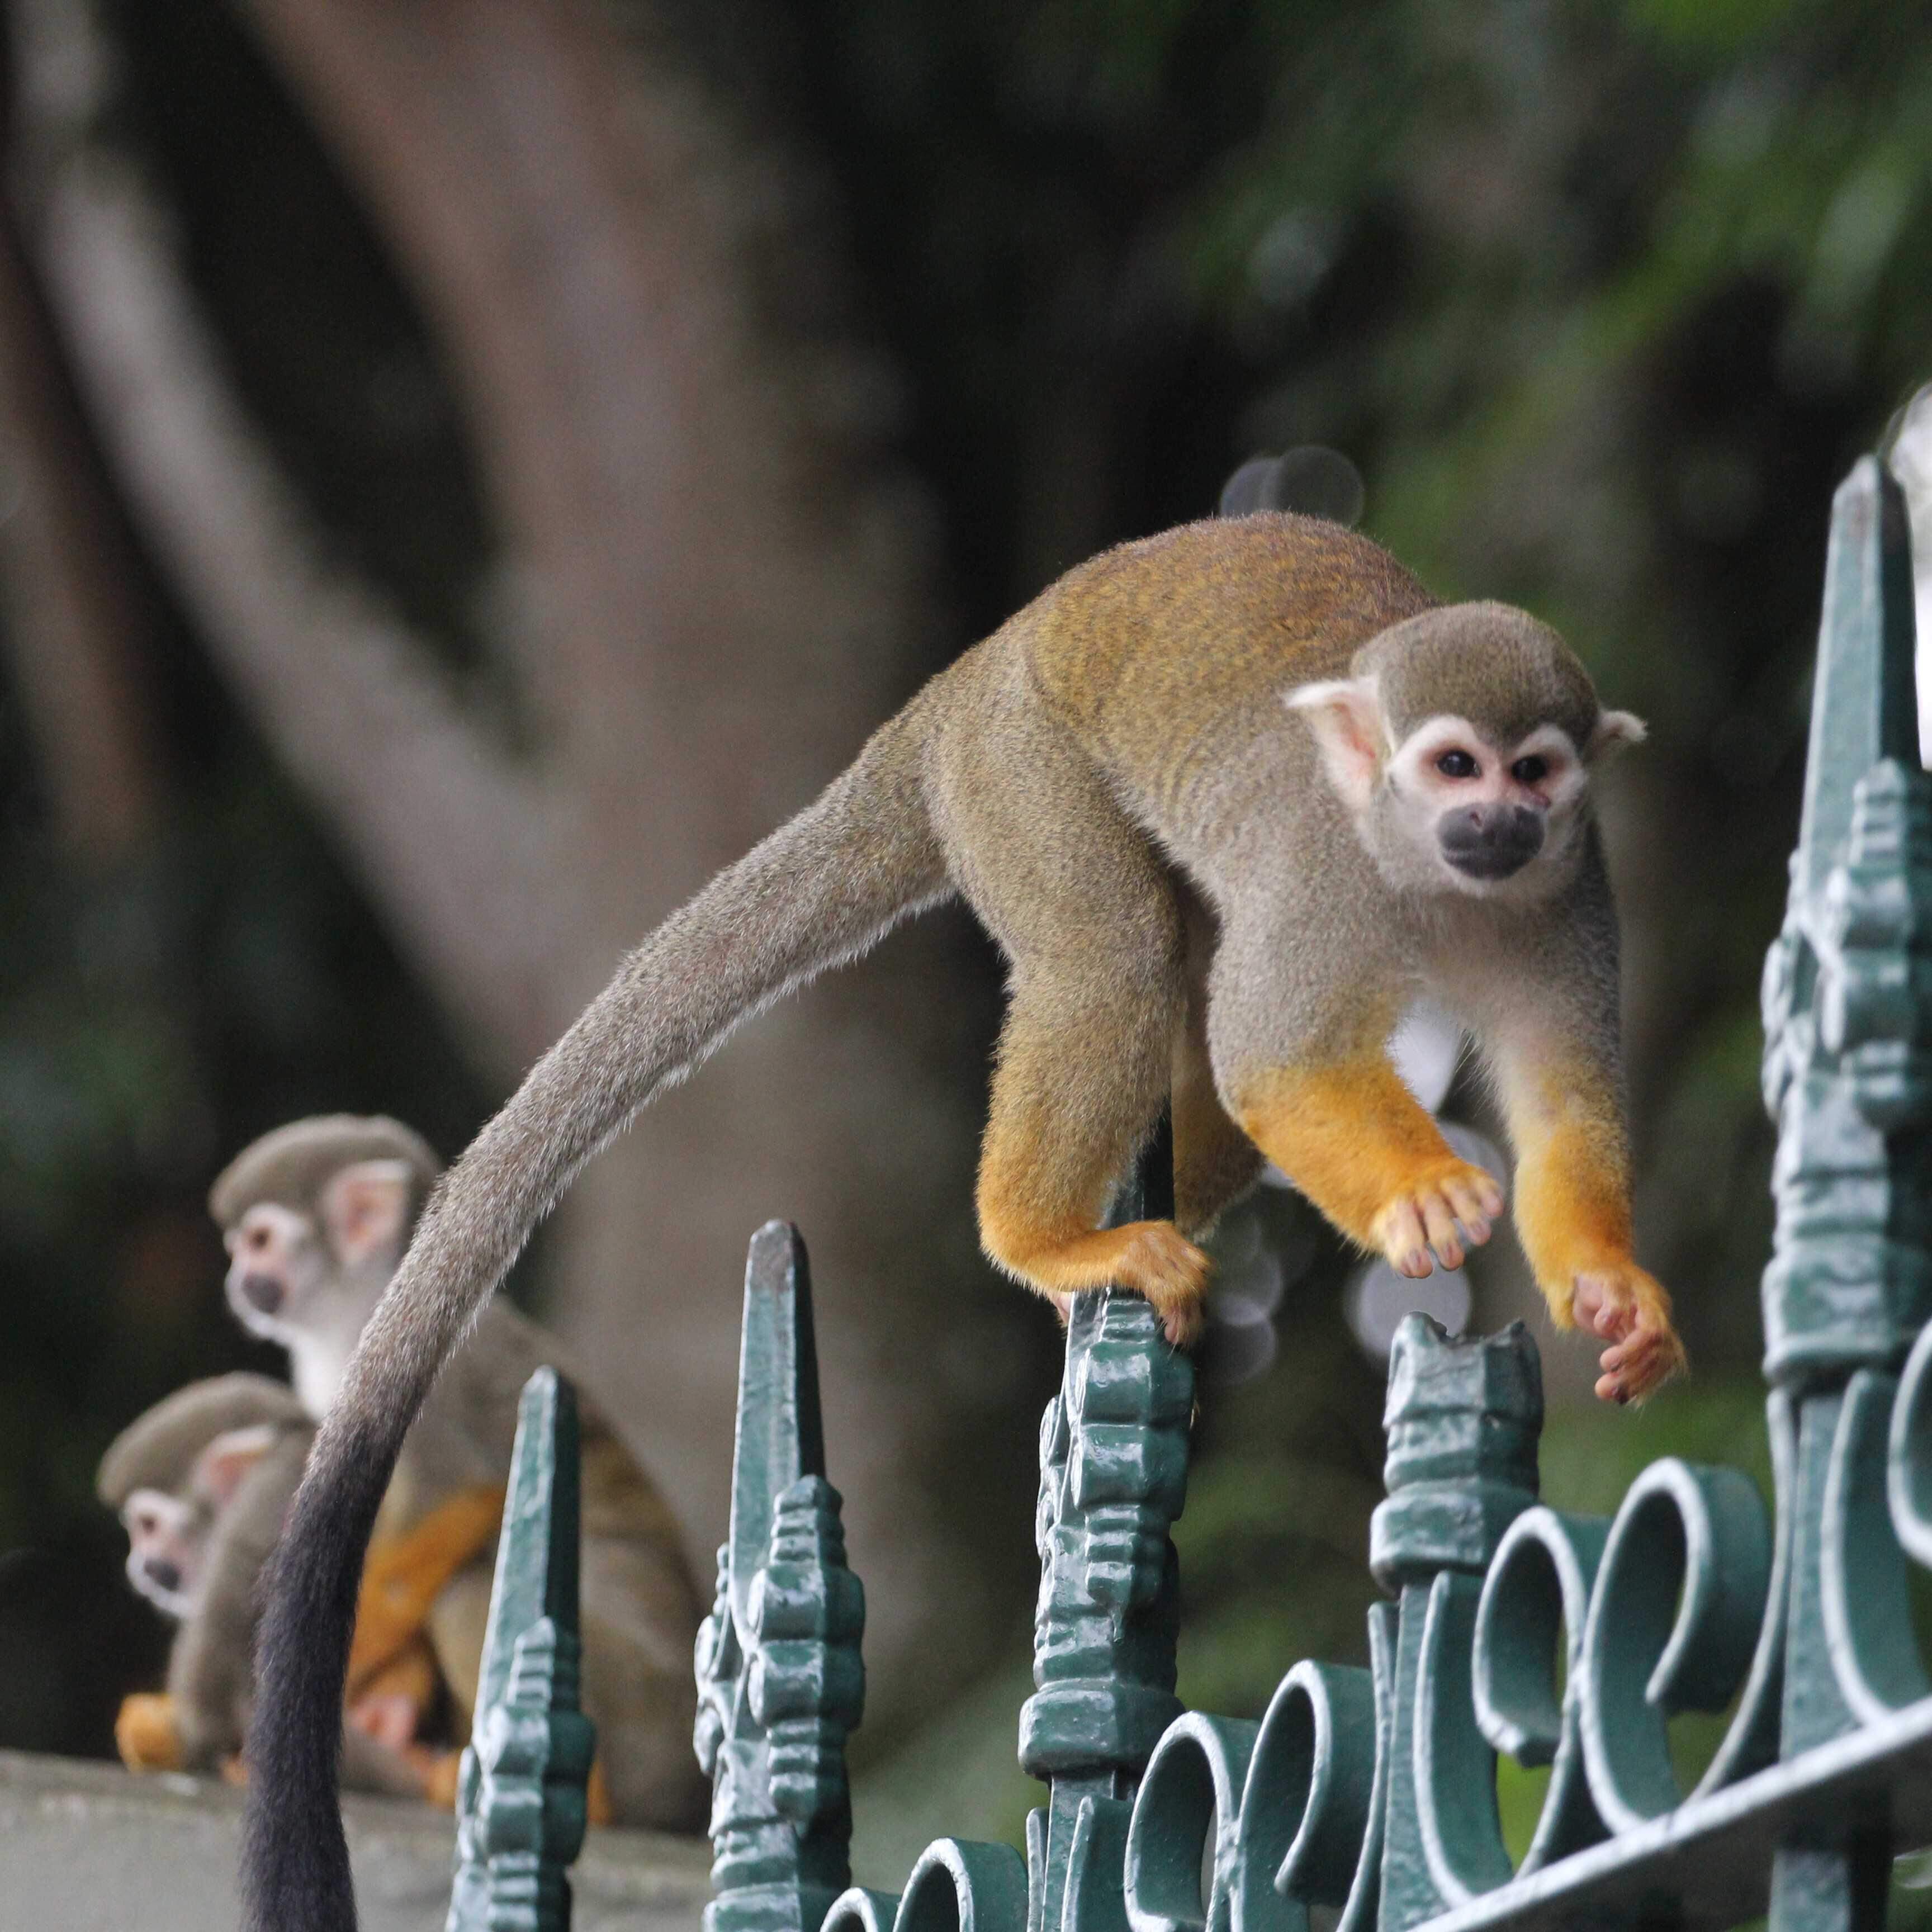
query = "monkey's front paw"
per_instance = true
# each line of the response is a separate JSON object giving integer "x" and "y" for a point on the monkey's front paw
{"x": 1622, "y": 1305}
{"x": 1155, "y": 1259}
{"x": 1425, "y": 1216}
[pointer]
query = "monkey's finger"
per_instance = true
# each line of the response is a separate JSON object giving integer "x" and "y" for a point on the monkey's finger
{"x": 1404, "y": 1242}
{"x": 1467, "y": 1200}
{"x": 1598, "y": 1310}
{"x": 1440, "y": 1219}
{"x": 1642, "y": 1334}
{"x": 1638, "y": 1365}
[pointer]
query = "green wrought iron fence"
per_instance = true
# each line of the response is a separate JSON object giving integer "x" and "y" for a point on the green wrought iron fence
{"x": 1566, "y": 1641}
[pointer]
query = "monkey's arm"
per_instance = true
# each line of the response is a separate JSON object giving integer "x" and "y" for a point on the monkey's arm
{"x": 1353, "y": 1138}
{"x": 1572, "y": 1211}
{"x": 405, "y": 1574}
{"x": 1298, "y": 1027}
{"x": 1552, "y": 1042}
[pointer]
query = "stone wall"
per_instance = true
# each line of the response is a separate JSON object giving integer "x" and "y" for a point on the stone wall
{"x": 84, "y": 1847}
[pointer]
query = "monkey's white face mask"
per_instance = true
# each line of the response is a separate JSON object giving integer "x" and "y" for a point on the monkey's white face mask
{"x": 293, "y": 1277}
{"x": 168, "y": 1535}
{"x": 1450, "y": 808}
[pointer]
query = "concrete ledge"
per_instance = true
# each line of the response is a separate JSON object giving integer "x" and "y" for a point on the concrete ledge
{"x": 84, "y": 1847}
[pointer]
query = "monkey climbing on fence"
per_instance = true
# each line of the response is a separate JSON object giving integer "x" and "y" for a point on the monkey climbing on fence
{"x": 315, "y": 1216}
{"x": 1372, "y": 795}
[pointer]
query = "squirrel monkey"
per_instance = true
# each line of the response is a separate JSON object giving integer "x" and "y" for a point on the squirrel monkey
{"x": 202, "y": 1481}
{"x": 315, "y": 1216}
{"x": 1263, "y": 719}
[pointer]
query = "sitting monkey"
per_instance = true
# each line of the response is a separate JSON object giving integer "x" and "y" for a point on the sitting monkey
{"x": 202, "y": 1482}
{"x": 315, "y": 1217}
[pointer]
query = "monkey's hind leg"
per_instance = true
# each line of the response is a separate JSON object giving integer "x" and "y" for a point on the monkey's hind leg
{"x": 1076, "y": 1089}
{"x": 1082, "y": 907}
{"x": 1215, "y": 1163}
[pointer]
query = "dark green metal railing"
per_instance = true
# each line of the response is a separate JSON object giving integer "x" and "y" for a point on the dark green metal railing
{"x": 1565, "y": 1641}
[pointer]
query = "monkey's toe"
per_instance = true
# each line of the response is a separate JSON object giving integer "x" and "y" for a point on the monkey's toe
{"x": 1448, "y": 1212}
{"x": 1160, "y": 1262}
{"x": 1151, "y": 1259}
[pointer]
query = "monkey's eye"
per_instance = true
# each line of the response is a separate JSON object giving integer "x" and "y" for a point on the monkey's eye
{"x": 1459, "y": 765}
{"x": 1530, "y": 771}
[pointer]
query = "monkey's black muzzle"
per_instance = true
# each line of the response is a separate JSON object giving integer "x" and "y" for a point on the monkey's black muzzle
{"x": 262, "y": 1293}
{"x": 1491, "y": 841}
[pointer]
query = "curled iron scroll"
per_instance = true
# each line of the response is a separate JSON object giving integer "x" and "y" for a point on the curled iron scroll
{"x": 956, "y": 1886}
{"x": 1538, "y": 1587}
{"x": 1862, "y": 1584}
{"x": 1674, "y": 1620}
{"x": 1305, "y": 1811}
{"x": 1909, "y": 1456}
{"x": 1191, "y": 1791}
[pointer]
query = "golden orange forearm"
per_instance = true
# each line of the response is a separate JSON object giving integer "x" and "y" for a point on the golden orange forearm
{"x": 1573, "y": 1199}
{"x": 404, "y": 1576}
{"x": 1350, "y": 1135}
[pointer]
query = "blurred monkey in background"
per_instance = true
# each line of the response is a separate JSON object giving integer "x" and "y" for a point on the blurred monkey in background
{"x": 315, "y": 1217}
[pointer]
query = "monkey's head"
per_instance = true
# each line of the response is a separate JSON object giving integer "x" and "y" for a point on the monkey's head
{"x": 171, "y": 1472}
{"x": 315, "y": 1216}
{"x": 167, "y": 1538}
{"x": 1463, "y": 744}
{"x": 168, "y": 1534}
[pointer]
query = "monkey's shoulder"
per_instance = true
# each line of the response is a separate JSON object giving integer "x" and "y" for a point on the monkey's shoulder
{"x": 1155, "y": 641}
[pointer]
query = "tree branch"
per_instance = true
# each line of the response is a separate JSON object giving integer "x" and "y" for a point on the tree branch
{"x": 344, "y": 692}
{"x": 580, "y": 228}
{"x": 74, "y": 614}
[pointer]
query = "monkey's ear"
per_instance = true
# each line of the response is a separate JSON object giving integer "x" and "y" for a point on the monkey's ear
{"x": 1614, "y": 730}
{"x": 365, "y": 1209}
{"x": 1346, "y": 715}
{"x": 220, "y": 1468}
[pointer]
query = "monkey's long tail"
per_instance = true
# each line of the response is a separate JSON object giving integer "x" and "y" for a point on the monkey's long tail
{"x": 818, "y": 891}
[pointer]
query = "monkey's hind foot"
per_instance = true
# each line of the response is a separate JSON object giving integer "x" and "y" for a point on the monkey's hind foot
{"x": 147, "y": 1732}
{"x": 1153, "y": 1258}
{"x": 1620, "y": 1303}
{"x": 1425, "y": 1216}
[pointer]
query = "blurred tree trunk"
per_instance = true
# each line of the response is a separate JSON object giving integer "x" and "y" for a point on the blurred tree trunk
{"x": 75, "y": 618}
{"x": 717, "y": 586}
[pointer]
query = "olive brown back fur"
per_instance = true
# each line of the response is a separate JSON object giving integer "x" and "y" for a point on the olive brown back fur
{"x": 1117, "y": 753}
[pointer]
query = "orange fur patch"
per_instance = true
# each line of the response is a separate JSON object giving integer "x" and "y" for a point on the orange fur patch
{"x": 1572, "y": 1200}
{"x": 1350, "y": 1135}
{"x": 146, "y": 1734}
{"x": 405, "y": 1574}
